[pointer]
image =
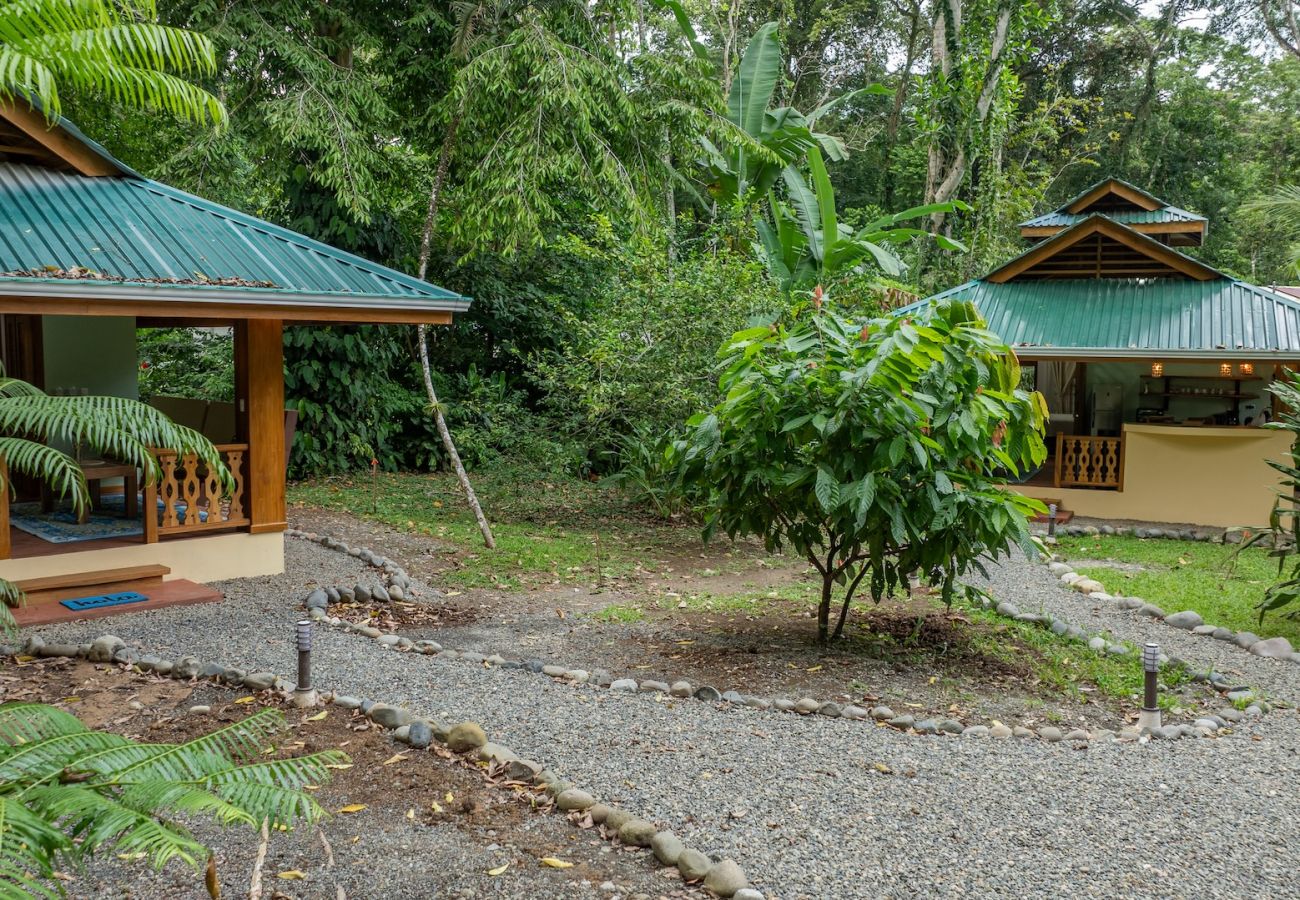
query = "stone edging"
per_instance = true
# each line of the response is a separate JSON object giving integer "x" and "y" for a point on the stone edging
{"x": 1205, "y": 726}
{"x": 722, "y": 877}
{"x": 1187, "y": 620}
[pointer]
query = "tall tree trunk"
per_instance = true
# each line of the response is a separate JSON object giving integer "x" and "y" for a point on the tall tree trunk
{"x": 426, "y": 249}
{"x": 900, "y": 98}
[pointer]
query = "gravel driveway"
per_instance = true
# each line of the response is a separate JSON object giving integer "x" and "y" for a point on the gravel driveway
{"x": 802, "y": 803}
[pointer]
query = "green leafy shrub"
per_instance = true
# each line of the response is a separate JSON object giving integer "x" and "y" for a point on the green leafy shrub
{"x": 187, "y": 362}
{"x": 641, "y": 357}
{"x": 876, "y": 448}
{"x": 68, "y": 793}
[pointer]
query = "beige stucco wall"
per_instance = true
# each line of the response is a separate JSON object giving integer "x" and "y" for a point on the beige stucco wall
{"x": 1199, "y": 476}
{"x": 200, "y": 559}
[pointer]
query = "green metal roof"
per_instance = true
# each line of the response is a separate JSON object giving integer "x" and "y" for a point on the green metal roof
{"x": 137, "y": 230}
{"x": 1110, "y": 317}
{"x": 1062, "y": 217}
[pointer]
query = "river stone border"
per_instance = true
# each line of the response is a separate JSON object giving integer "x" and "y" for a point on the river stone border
{"x": 1187, "y": 620}
{"x": 882, "y": 715}
{"x": 1204, "y": 726}
{"x": 722, "y": 877}
{"x": 1233, "y": 535}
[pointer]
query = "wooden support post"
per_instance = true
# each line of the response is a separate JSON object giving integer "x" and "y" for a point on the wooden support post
{"x": 150, "y": 511}
{"x": 259, "y": 388}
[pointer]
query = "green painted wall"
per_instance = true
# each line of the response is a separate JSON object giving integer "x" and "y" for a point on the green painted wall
{"x": 92, "y": 352}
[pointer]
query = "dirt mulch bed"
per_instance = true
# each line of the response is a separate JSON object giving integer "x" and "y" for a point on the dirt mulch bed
{"x": 422, "y": 823}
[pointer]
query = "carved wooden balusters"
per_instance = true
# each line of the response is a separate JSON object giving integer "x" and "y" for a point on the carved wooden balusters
{"x": 1089, "y": 461}
{"x": 192, "y": 497}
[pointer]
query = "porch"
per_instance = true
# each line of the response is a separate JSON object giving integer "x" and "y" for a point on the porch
{"x": 1156, "y": 441}
{"x": 187, "y": 521}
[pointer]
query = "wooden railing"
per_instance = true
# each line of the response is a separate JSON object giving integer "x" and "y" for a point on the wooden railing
{"x": 193, "y": 499}
{"x": 1086, "y": 461}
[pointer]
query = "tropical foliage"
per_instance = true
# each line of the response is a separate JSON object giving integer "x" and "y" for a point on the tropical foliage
{"x": 68, "y": 793}
{"x": 114, "y": 49}
{"x": 1283, "y": 534}
{"x": 877, "y": 449}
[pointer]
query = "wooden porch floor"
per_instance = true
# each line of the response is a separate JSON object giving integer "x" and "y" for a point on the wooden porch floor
{"x": 27, "y": 546}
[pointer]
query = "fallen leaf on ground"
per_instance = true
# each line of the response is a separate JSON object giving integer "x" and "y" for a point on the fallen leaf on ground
{"x": 499, "y": 869}
{"x": 556, "y": 863}
{"x": 395, "y": 758}
{"x": 353, "y": 808}
{"x": 339, "y": 765}
{"x": 245, "y": 699}
{"x": 320, "y": 715}
{"x": 291, "y": 875}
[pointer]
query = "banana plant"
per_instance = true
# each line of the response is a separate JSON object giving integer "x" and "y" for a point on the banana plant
{"x": 763, "y": 142}
{"x": 804, "y": 243}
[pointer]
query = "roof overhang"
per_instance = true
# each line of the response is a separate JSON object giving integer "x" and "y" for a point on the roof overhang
{"x": 75, "y": 297}
{"x": 1190, "y": 233}
{"x": 1137, "y": 354}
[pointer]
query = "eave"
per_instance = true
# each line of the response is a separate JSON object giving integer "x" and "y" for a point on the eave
{"x": 98, "y": 298}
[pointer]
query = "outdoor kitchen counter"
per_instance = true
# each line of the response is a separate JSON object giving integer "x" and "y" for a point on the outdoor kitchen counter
{"x": 1199, "y": 431}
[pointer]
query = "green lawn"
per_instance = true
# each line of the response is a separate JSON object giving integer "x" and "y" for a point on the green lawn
{"x": 547, "y": 529}
{"x": 1178, "y": 575}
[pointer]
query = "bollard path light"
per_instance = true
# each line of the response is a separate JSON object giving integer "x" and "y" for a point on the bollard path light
{"x": 1051, "y": 520}
{"x": 1150, "y": 715}
{"x": 303, "y": 694}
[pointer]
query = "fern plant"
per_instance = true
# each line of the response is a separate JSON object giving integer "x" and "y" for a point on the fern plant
{"x": 33, "y": 422}
{"x": 68, "y": 792}
{"x": 113, "y": 48}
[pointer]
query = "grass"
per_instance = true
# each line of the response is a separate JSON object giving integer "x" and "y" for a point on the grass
{"x": 1063, "y": 665}
{"x": 1178, "y": 575}
{"x": 547, "y": 529}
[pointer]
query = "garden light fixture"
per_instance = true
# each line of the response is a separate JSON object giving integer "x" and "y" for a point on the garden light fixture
{"x": 1051, "y": 520}
{"x": 304, "y": 695}
{"x": 1225, "y": 369}
{"x": 1150, "y": 715}
{"x": 1157, "y": 369}
{"x": 1246, "y": 369}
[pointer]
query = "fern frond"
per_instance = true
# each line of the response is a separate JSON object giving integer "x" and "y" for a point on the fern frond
{"x": 279, "y": 805}
{"x": 99, "y": 822}
{"x": 54, "y": 467}
{"x": 28, "y": 843}
{"x": 156, "y": 797}
{"x": 133, "y": 762}
{"x": 22, "y": 723}
{"x": 292, "y": 773}
{"x": 197, "y": 758}
{"x": 45, "y": 758}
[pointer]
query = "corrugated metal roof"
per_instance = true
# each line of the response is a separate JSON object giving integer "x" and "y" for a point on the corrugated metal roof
{"x": 1060, "y": 219}
{"x": 1111, "y": 317}
{"x": 144, "y": 231}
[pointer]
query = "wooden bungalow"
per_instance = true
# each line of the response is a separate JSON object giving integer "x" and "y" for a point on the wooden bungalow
{"x": 90, "y": 251}
{"x": 1154, "y": 365}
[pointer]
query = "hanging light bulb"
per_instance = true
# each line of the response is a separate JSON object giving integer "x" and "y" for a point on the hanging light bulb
{"x": 1157, "y": 369}
{"x": 1225, "y": 369}
{"x": 1246, "y": 369}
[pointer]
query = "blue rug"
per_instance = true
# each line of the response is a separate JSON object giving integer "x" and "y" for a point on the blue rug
{"x": 61, "y": 526}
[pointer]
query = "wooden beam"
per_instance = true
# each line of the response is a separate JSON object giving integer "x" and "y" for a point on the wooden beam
{"x": 206, "y": 310}
{"x": 1194, "y": 228}
{"x": 1111, "y": 186}
{"x": 54, "y": 139}
{"x": 1095, "y": 225}
{"x": 259, "y": 386}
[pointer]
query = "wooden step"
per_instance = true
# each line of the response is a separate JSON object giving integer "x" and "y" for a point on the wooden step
{"x": 162, "y": 594}
{"x": 53, "y": 588}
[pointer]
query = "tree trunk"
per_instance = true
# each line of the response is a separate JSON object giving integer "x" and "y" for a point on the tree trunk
{"x": 824, "y": 609}
{"x": 426, "y": 249}
{"x": 450, "y": 446}
{"x": 900, "y": 98}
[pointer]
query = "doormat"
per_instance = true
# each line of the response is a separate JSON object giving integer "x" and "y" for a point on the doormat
{"x": 99, "y": 601}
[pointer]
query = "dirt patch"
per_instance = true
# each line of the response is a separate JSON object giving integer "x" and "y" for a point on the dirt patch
{"x": 454, "y": 823}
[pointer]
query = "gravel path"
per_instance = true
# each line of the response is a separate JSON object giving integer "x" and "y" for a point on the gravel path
{"x": 802, "y": 803}
{"x": 1034, "y": 589}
